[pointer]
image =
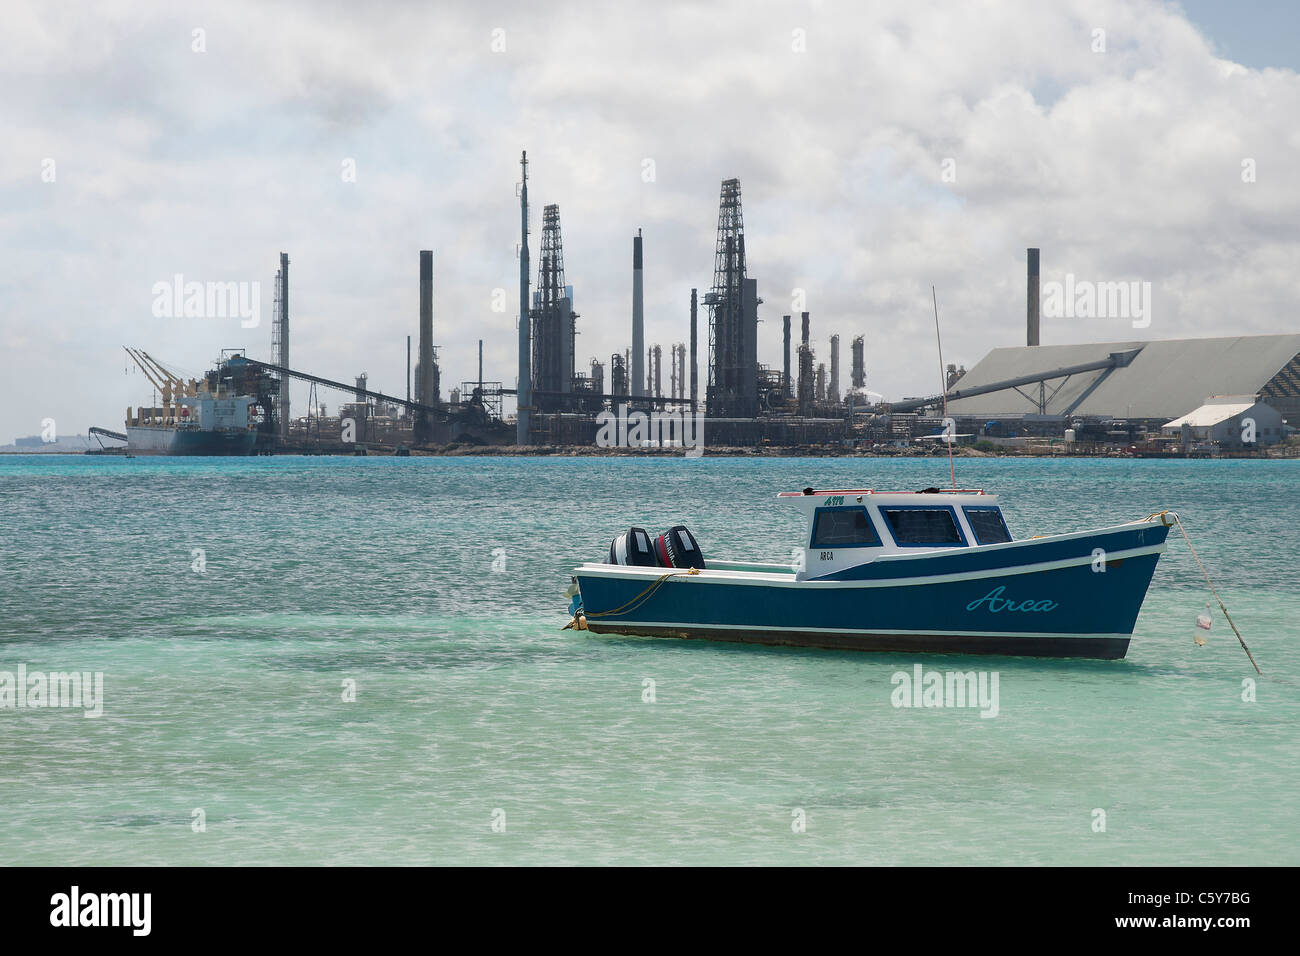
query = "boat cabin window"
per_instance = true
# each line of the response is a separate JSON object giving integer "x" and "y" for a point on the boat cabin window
{"x": 843, "y": 528}
{"x": 919, "y": 526}
{"x": 987, "y": 524}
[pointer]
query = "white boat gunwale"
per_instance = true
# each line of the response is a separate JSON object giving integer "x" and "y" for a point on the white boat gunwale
{"x": 786, "y": 576}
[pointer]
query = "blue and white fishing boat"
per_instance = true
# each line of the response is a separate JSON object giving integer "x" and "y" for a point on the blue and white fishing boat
{"x": 935, "y": 570}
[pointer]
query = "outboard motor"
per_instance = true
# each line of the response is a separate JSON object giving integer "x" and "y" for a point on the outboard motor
{"x": 633, "y": 547}
{"x": 677, "y": 548}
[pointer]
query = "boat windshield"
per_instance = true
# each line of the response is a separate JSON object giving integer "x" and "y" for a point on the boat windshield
{"x": 843, "y": 528}
{"x": 987, "y": 524}
{"x": 916, "y": 526}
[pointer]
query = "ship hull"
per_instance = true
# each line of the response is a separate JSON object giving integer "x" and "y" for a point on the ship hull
{"x": 143, "y": 440}
{"x": 1047, "y": 597}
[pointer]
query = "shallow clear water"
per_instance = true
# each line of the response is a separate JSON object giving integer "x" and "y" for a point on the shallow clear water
{"x": 223, "y": 689}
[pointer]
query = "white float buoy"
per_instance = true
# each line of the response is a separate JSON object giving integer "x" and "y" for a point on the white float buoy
{"x": 1203, "y": 622}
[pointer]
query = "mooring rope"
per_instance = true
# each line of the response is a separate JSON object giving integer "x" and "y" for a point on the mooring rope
{"x": 1208, "y": 582}
{"x": 580, "y": 620}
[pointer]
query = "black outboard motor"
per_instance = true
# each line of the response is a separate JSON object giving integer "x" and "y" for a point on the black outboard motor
{"x": 677, "y": 548}
{"x": 633, "y": 547}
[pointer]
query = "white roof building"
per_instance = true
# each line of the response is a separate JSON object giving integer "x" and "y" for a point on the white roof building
{"x": 1231, "y": 420}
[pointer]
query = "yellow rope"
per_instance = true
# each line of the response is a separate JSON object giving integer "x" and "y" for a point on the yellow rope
{"x": 644, "y": 596}
{"x": 1209, "y": 583}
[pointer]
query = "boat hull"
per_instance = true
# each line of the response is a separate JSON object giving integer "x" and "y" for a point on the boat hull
{"x": 1065, "y": 596}
{"x": 1096, "y": 648}
{"x": 146, "y": 440}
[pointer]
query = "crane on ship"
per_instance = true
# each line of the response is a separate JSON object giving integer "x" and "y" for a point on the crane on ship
{"x": 168, "y": 384}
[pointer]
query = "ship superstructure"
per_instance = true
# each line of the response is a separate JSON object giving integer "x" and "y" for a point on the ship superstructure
{"x": 219, "y": 414}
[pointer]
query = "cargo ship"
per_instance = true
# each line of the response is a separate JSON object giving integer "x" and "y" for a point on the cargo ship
{"x": 207, "y": 416}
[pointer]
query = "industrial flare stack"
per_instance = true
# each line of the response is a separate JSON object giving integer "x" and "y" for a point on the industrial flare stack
{"x": 280, "y": 343}
{"x": 524, "y": 389}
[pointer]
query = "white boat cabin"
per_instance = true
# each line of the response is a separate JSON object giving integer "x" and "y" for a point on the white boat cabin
{"x": 845, "y": 529}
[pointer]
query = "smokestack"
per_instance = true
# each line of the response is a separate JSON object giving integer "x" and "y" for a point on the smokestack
{"x": 283, "y": 357}
{"x": 424, "y": 371}
{"x": 1031, "y": 321}
{"x": 804, "y": 318}
{"x": 638, "y": 320}
{"x": 524, "y": 391}
{"x": 785, "y": 339}
{"x": 833, "y": 388}
{"x": 480, "y": 364}
{"x": 695, "y": 385}
{"x": 408, "y": 371}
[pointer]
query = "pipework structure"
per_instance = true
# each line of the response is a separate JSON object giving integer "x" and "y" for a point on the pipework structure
{"x": 806, "y": 384}
{"x": 833, "y": 385}
{"x": 859, "y": 362}
{"x": 733, "y": 316}
{"x": 553, "y": 319}
{"x": 785, "y": 344}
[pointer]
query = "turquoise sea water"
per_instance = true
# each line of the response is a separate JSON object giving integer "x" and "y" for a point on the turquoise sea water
{"x": 224, "y": 689}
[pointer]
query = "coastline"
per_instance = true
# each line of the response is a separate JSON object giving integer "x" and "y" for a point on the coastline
{"x": 1274, "y": 453}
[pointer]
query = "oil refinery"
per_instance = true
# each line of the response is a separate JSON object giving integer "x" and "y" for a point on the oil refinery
{"x": 1148, "y": 397}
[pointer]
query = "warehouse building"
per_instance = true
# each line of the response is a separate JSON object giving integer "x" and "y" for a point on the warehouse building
{"x": 1142, "y": 386}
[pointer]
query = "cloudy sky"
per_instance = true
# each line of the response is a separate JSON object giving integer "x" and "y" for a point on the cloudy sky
{"x": 881, "y": 148}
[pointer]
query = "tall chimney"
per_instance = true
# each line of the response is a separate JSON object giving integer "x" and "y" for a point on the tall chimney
{"x": 1031, "y": 322}
{"x": 283, "y": 357}
{"x": 638, "y": 320}
{"x": 695, "y": 385}
{"x": 408, "y": 371}
{"x": 785, "y": 339}
{"x": 423, "y": 426}
{"x": 524, "y": 390}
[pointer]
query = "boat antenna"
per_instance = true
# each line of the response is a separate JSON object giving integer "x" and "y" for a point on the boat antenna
{"x": 943, "y": 387}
